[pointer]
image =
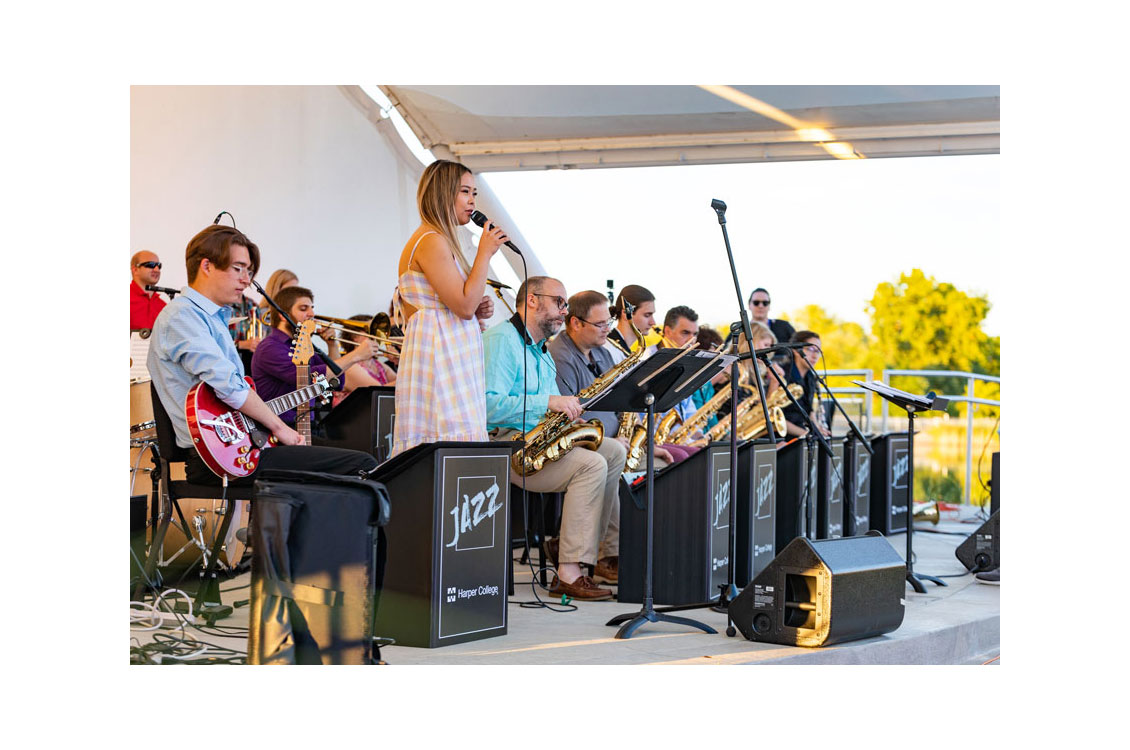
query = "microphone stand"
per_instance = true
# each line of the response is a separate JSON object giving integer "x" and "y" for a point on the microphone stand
{"x": 729, "y": 591}
{"x": 813, "y": 435}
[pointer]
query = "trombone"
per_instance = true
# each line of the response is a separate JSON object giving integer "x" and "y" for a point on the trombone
{"x": 378, "y": 329}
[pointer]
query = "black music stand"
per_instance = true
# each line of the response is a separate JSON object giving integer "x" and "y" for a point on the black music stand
{"x": 912, "y": 404}
{"x": 659, "y": 382}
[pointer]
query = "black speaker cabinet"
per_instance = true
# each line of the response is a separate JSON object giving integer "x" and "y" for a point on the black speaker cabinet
{"x": 995, "y": 484}
{"x": 890, "y": 470}
{"x": 982, "y": 550}
{"x": 816, "y": 593}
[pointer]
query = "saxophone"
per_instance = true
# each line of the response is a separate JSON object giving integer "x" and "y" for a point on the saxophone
{"x": 556, "y": 434}
{"x": 752, "y": 424}
{"x": 682, "y": 436}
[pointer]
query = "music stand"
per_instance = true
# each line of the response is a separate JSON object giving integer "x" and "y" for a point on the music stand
{"x": 912, "y": 404}
{"x": 659, "y": 382}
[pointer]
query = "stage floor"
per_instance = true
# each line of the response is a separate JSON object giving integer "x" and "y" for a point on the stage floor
{"x": 955, "y": 624}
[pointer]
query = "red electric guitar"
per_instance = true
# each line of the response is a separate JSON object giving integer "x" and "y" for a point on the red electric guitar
{"x": 228, "y": 441}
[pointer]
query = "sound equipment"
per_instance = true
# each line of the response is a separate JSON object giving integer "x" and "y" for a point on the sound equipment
{"x": 316, "y": 568}
{"x": 995, "y": 485}
{"x": 816, "y": 593}
{"x": 982, "y": 550}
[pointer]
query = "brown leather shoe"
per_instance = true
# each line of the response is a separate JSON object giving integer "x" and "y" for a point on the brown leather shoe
{"x": 607, "y": 570}
{"x": 583, "y": 588}
{"x": 551, "y": 547}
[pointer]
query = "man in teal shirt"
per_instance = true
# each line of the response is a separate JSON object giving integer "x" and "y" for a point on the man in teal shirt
{"x": 517, "y": 399}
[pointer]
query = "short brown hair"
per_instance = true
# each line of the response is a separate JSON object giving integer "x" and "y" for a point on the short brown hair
{"x": 286, "y": 299}
{"x": 214, "y": 244}
{"x": 708, "y": 338}
{"x": 803, "y": 337}
{"x": 582, "y": 303}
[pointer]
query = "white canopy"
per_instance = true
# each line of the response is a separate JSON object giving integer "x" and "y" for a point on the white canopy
{"x": 497, "y": 128}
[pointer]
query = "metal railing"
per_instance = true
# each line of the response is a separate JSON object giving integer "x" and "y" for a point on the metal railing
{"x": 868, "y": 418}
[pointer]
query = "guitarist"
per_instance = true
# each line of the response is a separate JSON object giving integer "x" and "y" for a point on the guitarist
{"x": 272, "y": 367}
{"x": 191, "y": 343}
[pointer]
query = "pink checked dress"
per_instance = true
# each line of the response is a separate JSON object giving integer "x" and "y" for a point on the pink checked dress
{"x": 440, "y": 385}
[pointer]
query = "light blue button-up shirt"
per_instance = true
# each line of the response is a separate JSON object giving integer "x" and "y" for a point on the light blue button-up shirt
{"x": 191, "y": 343}
{"x": 503, "y": 348}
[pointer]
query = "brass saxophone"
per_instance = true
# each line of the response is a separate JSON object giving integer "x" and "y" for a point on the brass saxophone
{"x": 556, "y": 434}
{"x": 682, "y": 436}
{"x": 752, "y": 423}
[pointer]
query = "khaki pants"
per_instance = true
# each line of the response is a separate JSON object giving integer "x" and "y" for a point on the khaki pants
{"x": 590, "y": 513}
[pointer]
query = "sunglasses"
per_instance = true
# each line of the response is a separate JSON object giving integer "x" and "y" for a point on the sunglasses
{"x": 561, "y": 302}
{"x": 150, "y": 264}
{"x": 759, "y": 303}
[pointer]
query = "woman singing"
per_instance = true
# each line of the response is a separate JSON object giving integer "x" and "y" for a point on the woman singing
{"x": 440, "y": 388}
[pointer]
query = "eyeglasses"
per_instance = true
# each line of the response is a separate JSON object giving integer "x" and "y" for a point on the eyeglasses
{"x": 603, "y": 325}
{"x": 240, "y": 269}
{"x": 759, "y": 302}
{"x": 150, "y": 264}
{"x": 562, "y": 303}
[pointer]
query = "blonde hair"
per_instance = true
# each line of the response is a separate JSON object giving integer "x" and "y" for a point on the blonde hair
{"x": 759, "y": 331}
{"x": 435, "y": 200}
{"x": 275, "y": 284}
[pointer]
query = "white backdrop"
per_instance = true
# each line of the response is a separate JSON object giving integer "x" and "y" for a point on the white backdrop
{"x": 305, "y": 174}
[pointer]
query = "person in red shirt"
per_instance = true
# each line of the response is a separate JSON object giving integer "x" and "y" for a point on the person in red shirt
{"x": 143, "y": 305}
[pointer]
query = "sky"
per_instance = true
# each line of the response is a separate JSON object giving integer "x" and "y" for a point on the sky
{"x": 813, "y": 232}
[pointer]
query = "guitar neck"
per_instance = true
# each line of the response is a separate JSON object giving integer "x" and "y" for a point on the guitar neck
{"x": 302, "y": 418}
{"x": 289, "y": 401}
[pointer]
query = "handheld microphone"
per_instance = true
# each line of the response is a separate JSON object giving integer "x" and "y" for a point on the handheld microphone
{"x": 497, "y": 284}
{"x": 163, "y": 289}
{"x": 481, "y": 220}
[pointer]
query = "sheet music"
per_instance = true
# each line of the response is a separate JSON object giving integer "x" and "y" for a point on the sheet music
{"x": 595, "y": 400}
{"x": 138, "y": 354}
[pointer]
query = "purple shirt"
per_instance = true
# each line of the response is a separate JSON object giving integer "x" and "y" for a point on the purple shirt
{"x": 274, "y": 374}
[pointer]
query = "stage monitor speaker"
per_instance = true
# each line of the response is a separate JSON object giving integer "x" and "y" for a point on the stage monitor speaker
{"x": 816, "y": 593}
{"x": 982, "y": 550}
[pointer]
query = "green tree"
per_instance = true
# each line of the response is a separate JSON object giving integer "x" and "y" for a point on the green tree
{"x": 919, "y": 323}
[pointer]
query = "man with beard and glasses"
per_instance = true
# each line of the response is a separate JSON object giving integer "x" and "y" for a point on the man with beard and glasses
{"x": 589, "y": 479}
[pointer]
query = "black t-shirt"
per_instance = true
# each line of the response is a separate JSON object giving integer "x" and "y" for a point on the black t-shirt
{"x": 808, "y": 382}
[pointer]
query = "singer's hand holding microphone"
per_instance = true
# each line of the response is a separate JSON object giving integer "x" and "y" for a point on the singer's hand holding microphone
{"x": 493, "y": 236}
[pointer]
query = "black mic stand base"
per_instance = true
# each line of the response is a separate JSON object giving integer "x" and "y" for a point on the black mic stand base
{"x": 650, "y": 614}
{"x": 915, "y": 581}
